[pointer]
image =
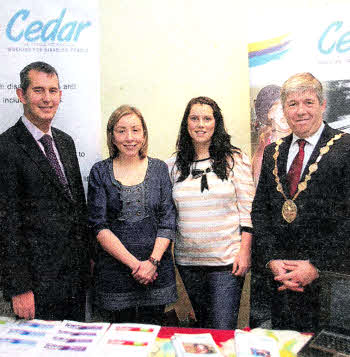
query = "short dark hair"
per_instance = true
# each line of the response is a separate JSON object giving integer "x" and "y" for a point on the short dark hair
{"x": 36, "y": 66}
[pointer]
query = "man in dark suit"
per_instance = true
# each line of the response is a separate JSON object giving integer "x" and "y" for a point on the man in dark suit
{"x": 44, "y": 259}
{"x": 301, "y": 211}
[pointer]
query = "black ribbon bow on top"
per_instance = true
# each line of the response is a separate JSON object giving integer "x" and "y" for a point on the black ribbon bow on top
{"x": 203, "y": 174}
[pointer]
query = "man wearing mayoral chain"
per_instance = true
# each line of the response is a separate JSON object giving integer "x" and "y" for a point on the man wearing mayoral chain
{"x": 301, "y": 211}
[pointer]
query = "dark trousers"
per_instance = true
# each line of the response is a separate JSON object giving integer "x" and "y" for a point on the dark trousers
{"x": 291, "y": 310}
{"x": 72, "y": 308}
{"x": 214, "y": 294}
{"x": 260, "y": 298}
{"x": 142, "y": 314}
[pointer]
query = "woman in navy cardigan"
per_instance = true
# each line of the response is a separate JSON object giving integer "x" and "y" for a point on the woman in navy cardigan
{"x": 132, "y": 215}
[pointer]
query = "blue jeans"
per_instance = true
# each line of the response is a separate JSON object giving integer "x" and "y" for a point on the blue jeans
{"x": 214, "y": 294}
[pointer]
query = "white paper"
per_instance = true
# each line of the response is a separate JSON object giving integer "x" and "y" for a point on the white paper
{"x": 25, "y": 338}
{"x": 251, "y": 345}
{"x": 192, "y": 345}
{"x": 128, "y": 340}
{"x": 74, "y": 338}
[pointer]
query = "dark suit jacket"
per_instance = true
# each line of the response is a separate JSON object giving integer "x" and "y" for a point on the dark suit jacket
{"x": 321, "y": 231}
{"x": 43, "y": 234}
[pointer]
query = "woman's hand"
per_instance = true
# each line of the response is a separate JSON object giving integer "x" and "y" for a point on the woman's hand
{"x": 146, "y": 273}
{"x": 242, "y": 262}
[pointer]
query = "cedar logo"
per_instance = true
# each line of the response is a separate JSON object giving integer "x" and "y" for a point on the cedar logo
{"x": 21, "y": 26}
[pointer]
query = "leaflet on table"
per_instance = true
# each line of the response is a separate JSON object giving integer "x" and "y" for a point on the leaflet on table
{"x": 48, "y": 338}
{"x": 72, "y": 337}
{"x": 24, "y": 338}
{"x": 193, "y": 345}
{"x": 251, "y": 345}
{"x": 128, "y": 339}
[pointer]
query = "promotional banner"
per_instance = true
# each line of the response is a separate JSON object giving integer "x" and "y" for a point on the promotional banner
{"x": 64, "y": 34}
{"x": 283, "y": 42}
{"x": 289, "y": 41}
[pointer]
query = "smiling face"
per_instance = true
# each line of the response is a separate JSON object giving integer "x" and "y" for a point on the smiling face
{"x": 303, "y": 112}
{"x": 41, "y": 99}
{"x": 128, "y": 135}
{"x": 201, "y": 123}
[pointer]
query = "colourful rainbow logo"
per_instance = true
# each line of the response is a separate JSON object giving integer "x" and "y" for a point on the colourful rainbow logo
{"x": 265, "y": 51}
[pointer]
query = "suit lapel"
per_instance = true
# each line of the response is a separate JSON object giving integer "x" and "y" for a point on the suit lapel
{"x": 282, "y": 162}
{"x": 31, "y": 148}
{"x": 326, "y": 135}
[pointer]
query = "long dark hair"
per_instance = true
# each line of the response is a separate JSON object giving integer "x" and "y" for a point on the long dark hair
{"x": 220, "y": 150}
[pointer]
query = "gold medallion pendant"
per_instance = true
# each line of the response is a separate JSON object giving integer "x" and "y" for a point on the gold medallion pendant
{"x": 289, "y": 208}
{"x": 289, "y": 211}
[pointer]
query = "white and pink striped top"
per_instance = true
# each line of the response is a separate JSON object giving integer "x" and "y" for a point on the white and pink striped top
{"x": 209, "y": 222}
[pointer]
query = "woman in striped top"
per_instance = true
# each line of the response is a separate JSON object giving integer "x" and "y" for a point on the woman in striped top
{"x": 213, "y": 191}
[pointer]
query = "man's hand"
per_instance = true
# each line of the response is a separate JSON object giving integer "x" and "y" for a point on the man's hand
{"x": 277, "y": 267}
{"x": 24, "y": 305}
{"x": 280, "y": 270}
{"x": 299, "y": 272}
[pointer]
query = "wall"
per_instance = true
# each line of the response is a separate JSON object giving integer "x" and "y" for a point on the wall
{"x": 159, "y": 54}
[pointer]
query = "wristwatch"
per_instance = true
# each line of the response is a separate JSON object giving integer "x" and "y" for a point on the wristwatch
{"x": 155, "y": 262}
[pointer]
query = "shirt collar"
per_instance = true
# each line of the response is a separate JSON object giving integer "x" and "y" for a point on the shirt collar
{"x": 34, "y": 130}
{"x": 313, "y": 139}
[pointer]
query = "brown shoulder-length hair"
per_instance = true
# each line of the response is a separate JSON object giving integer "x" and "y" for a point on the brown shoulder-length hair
{"x": 113, "y": 120}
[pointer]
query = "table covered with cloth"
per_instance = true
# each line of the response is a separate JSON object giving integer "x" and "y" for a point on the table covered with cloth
{"x": 289, "y": 342}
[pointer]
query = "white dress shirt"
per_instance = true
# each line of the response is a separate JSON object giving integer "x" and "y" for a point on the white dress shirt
{"x": 311, "y": 142}
{"x": 38, "y": 134}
